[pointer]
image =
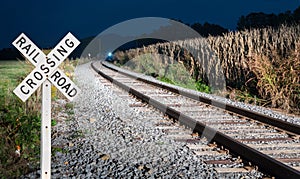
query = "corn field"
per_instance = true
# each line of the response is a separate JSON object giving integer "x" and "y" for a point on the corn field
{"x": 262, "y": 61}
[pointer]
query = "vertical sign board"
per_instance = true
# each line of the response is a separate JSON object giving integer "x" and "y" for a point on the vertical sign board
{"x": 46, "y": 72}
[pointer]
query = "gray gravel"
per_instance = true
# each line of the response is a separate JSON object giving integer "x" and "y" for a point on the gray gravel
{"x": 105, "y": 138}
{"x": 119, "y": 143}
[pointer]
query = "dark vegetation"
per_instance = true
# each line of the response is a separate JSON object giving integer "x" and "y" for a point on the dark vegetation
{"x": 10, "y": 54}
{"x": 139, "y": 43}
{"x": 13, "y": 53}
{"x": 206, "y": 29}
{"x": 262, "y": 20}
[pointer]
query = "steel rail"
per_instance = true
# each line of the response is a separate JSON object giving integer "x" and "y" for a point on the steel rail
{"x": 293, "y": 128}
{"x": 264, "y": 162}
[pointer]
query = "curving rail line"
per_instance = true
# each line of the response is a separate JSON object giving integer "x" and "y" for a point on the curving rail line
{"x": 266, "y": 163}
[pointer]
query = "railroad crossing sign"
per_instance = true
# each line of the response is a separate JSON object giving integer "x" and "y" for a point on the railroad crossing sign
{"x": 46, "y": 67}
{"x": 46, "y": 72}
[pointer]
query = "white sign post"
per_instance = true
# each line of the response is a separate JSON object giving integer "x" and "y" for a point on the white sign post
{"x": 45, "y": 73}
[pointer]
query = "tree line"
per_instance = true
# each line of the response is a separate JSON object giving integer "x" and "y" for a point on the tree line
{"x": 262, "y": 20}
{"x": 250, "y": 21}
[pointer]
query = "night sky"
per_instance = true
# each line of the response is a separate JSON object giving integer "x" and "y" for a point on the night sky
{"x": 46, "y": 22}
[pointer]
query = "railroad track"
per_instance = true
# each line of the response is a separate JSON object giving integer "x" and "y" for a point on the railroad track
{"x": 236, "y": 136}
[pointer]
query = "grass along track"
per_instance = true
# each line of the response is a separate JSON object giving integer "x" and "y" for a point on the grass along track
{"x": 20, "y": 122}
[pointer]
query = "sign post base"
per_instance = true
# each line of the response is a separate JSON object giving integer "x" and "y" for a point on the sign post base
{"x": 46, "y": 131}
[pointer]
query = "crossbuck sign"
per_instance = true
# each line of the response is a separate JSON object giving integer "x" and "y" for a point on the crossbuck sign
{"x": 46, "y": 66}
{"x": 46, "y": 72}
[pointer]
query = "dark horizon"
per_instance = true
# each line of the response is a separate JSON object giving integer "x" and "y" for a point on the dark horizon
{"x": 47, "y": 22}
